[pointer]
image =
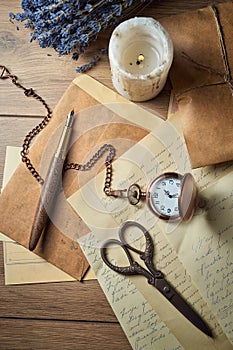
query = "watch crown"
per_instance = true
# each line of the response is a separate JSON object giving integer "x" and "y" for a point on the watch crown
{"x": 134, "y": 194}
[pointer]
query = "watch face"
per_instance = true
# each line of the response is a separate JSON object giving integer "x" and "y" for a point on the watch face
{"x": 163, "y": 196}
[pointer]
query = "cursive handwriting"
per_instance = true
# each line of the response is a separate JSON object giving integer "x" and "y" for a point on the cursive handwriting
{"x": 207, "y": 251}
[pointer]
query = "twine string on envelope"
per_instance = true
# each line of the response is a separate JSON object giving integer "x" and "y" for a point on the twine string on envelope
{"x": 227, "y": 78}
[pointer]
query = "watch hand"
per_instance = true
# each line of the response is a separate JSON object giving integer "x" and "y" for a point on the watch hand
{"x": 167, "y": 192}
{"x": 171, "y": 195}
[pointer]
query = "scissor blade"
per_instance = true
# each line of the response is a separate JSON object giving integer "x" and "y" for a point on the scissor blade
{"x": 176, "y": 299}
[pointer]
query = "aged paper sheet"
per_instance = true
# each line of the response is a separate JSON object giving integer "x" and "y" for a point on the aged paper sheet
{"x": 12, "y": 159}
{"x": 104, "y": 216}
{"x": 131, "y": 111}
{"x": 205, "y": 247}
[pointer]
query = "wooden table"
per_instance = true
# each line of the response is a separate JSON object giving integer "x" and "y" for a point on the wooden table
{"x": 69, "y": 315}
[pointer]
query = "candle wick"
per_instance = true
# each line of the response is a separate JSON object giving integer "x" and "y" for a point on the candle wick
{"x": 140, "y": 59}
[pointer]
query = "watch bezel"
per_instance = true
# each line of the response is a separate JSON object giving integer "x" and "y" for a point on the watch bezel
{"x": 187, "y": 198}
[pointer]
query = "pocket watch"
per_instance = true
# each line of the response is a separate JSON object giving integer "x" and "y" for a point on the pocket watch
{"x": 170, "y": 196}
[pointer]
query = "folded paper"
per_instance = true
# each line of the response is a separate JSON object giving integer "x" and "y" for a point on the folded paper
{"x": 202, "y": 81}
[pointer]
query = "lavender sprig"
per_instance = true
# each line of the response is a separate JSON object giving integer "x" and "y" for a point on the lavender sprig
{"x": 69, "y": 26}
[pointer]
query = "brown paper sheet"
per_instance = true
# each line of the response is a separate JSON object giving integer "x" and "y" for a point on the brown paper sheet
{"x": 202, "y": 81}
{"x": 19, "y": 198}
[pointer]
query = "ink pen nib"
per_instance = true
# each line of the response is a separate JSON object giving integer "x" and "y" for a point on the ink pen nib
{"x": 70, "y": 118}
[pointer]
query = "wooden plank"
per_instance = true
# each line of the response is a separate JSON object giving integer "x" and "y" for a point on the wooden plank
{"x": 51, "y": 75}
{"x": 41, "y": 334}
{"x": 61, "y": 301}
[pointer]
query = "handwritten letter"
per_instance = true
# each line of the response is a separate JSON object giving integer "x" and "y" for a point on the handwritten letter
{"x": 104, "y": 216}
{"x": 206, "y": 250}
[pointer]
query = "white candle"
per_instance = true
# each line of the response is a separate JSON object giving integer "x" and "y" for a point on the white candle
{"x": 140, "y": 55}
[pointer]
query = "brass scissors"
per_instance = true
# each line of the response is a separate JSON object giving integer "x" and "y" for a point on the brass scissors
{"x": 154, "y": 277}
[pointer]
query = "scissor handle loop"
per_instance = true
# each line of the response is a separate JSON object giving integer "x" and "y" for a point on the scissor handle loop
{"x": 132, "y": 269}
{"x": 147, "y": 254}
{"x": 149, "y": 250}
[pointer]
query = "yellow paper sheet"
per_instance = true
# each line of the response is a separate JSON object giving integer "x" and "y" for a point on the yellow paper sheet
{"x": 159, "y": 151}
{"x": 12, "y": 159}
{"x": 22, "y": 266}
{"x": 118, "y": 104}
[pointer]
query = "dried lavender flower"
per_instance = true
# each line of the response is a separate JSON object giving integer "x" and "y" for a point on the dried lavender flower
{"x": 88, "y": 65}
{"x": 69, "y": 26}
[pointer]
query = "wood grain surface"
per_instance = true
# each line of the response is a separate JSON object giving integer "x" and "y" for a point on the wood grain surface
{"x": 69, "y": 315}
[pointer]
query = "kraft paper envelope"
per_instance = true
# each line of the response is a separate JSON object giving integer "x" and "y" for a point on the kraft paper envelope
{"x": 202, "y": 81}
{"x": 19, "y": 198}
{"x": 20, "y": 265}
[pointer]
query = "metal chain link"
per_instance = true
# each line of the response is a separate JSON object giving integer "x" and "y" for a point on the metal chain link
{"x": 5, "y": 74}
{"x": 108, "y": 163}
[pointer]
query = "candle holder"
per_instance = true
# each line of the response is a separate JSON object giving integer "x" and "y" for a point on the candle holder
{"x": 140, "y": 55}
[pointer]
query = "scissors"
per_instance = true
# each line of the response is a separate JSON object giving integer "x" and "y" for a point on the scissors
{"x": 154, "y": 277}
